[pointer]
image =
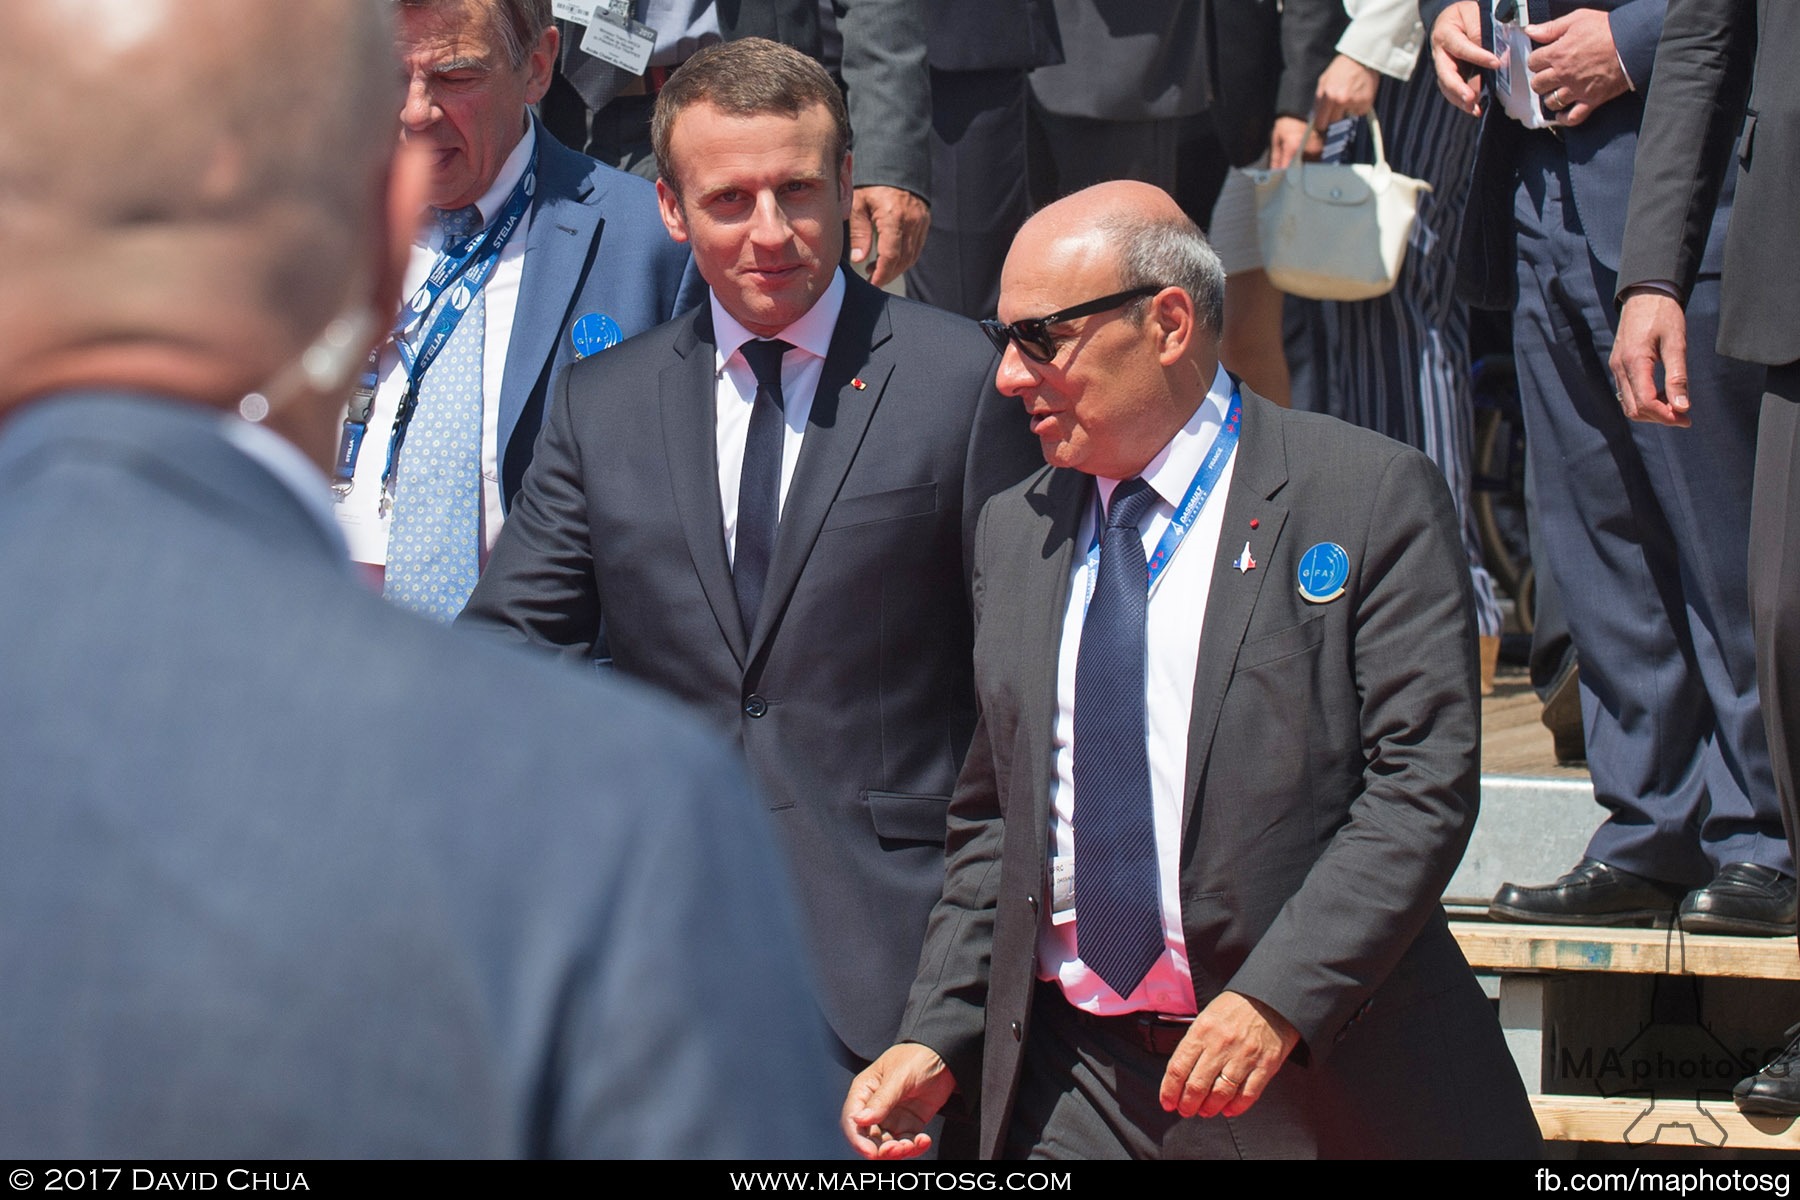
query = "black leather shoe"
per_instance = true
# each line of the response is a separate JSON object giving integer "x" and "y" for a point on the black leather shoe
{"x": 1744, "y": 899}
{"x": 1592, "y": 894}
{"x": 1774, "y": 1090}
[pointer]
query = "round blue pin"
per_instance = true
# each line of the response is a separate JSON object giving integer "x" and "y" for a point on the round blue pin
{"x": 1324, "y": 570}
{"x": 594, "y": 333}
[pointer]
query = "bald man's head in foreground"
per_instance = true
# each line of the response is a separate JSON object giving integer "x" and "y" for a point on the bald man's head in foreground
{"x": 1111, "y": 303}
{"x": 200, "y": 198}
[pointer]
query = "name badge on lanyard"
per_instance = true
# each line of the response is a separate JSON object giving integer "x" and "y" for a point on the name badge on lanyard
{"x": 461, "y": 265}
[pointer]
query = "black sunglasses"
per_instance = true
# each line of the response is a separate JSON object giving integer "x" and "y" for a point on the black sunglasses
{"x": 1033, "y": 333}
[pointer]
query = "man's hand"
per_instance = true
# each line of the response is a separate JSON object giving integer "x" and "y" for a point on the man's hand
{"x": 899, "y": 220}
{"x": 893, "y": 1100}
{"x": 1576, "y": 66}
{"x": 1346, "y": 89}
{"x": 1457, "y": 54}
{"x": 1652, "y": 330}
{"x": 1227, "y": 1057}
{"x": 1290, "y": 139}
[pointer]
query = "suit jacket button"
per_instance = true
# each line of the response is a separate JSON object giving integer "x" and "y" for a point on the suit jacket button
{"x": 1017, "y": 1032}
{"x": 1032, "y": 900}
{"x": 755, "y": 706}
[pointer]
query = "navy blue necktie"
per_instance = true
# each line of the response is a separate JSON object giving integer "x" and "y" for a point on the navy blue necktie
{"x": 1118, "y": 919}
{"x": 759, "y": 487}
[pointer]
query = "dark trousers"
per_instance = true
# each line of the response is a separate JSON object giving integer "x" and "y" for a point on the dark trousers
{"x": 1645, "y": 529}
{"x": 978, "y": 193}
{"x": 1775, "y": 581}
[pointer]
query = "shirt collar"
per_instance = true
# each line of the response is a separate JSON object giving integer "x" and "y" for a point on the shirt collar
{"x": 1176, "y": 464}
{"x": 811, "y": 333}
{"x": 500, "y": 191}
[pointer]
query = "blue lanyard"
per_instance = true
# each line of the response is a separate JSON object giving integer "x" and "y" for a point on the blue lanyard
{"x": 1186, "y": 513}
{"x": 466, "y": 264}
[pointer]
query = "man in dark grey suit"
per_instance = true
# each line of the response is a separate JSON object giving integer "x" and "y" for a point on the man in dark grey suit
{"x": 1197, "y": 849}
{"x": 768, "y": 507}
{"x": 1644, "y": 528}
{"x": 1693, "y": 115}
{"x": 288, "y": 872}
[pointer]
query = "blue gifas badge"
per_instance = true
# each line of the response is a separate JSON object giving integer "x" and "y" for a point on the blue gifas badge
{"x": 594, "y": 333}
{"x": 1324, "y": 570}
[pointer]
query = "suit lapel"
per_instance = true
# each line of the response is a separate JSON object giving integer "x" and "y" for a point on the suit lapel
{"x": 1044, "y": 601}
{"x": 689, "y": 417}
{"x": 559, "y": 247}
{"x": 1257, "y": 476}
{"x": 840, "y": 416}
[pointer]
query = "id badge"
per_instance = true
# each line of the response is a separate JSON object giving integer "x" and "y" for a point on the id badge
{"x": 1512, "y": 78}
{"x": 1062, "y": 889}
{"x": 619, "y": 40}
{"x": 579, "y": 11}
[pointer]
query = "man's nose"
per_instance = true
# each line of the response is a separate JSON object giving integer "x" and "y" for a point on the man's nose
{"x": 419, "y": 108}
{"x": 769, "y": 225}
{"x": 1014, "y": 376}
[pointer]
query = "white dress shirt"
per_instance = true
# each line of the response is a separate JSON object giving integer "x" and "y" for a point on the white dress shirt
{"x": 359, "y": 513}
{"x": 1176, "y": 614}
{"x": 734, "y": 392}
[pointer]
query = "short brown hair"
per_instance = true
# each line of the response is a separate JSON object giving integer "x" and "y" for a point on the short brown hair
{"x": 746, "y": 78}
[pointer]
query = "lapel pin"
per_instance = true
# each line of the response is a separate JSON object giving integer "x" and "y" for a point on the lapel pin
{"x": 858, "y": 384}
{"x": 1244, "y": 563}
{"x": 593, "y": 333}
{"x": 1254, "y": 523}
{"x": 1323, "y": 572}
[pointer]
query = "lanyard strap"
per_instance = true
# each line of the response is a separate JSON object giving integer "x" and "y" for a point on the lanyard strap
{"x": 465, "y": 264}
{"x": 1186, "y": 513}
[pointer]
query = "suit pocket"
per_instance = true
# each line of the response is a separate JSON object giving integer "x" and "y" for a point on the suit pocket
{"x": 882, "y": 506}
{"x": 1296, "y": 639}
{"x": 907, "y": 817}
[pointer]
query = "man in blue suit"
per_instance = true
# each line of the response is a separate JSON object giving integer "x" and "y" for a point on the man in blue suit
{"x": 1646, "y": 527}
{"x": 579, "y": 260}
{"x": 288, "y": 872}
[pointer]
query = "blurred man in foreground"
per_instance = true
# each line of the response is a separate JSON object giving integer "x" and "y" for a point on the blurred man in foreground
{"x": 280, "y": 878}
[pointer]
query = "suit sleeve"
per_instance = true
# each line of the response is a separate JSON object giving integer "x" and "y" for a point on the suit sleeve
{"x": 1636, "y": 26}
{"x": 1691, "y": 118}
{"x": 1309, "y": 33}
{"x": 947, "y": 1005}
{"x": 1381, "y": 876}
{"x": 539, "y": 585}
{"x": 888, "y": 86}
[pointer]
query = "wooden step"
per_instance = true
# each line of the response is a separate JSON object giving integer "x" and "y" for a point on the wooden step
{"x": 1638, "y": 1121}
{"x": 1504, "y": 948}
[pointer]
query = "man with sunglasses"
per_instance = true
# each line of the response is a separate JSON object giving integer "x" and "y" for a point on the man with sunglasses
{"x": 1226, "y": 760}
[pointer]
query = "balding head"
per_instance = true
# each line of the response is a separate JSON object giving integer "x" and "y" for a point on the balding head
{"x": 189, "y": 189}
{"x": 1107, "y": 389}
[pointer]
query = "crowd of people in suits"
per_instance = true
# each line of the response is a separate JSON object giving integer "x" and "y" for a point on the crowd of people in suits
{"x": 861, "y": 685}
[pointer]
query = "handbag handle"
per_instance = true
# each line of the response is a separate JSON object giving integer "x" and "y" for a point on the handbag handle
{"x": 1381, "y": 161}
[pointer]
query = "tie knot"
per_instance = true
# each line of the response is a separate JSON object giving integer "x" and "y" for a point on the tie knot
{"x": 458, "y": 223}
{"x": 1130, "y": 501}
{"x": 764, "y": 357}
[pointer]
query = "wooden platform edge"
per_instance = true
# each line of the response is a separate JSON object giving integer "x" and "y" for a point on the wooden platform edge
{"x": 1490, "y": 946}
{"x": 1636, "y": 1121}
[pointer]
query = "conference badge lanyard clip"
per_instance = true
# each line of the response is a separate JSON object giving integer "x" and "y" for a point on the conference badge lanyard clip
{"x": 1186, "y": 513}
{"x": 461, "y": 268}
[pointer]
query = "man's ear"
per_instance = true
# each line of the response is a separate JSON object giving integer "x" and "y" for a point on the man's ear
{"x": 1174, "y": 322}
{"x": 540, "y": 64}
{"x": 846, "y": 191}
{"x": 668, "y": 204}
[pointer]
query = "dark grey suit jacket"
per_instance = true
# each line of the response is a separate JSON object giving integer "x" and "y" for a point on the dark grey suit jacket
{"x": 852, "y": 697}
{"x": 290, "y": 873}
{"x": 1331, "y": 788}
{"x": 1694, "y": 115}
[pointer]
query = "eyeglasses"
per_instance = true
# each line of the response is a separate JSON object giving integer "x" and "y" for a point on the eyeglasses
{"x": 1033, "y": 333}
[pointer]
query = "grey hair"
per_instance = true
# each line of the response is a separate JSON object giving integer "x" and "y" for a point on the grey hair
{"x": 1169, "y": 251}
{"x": 518, "y": 24}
